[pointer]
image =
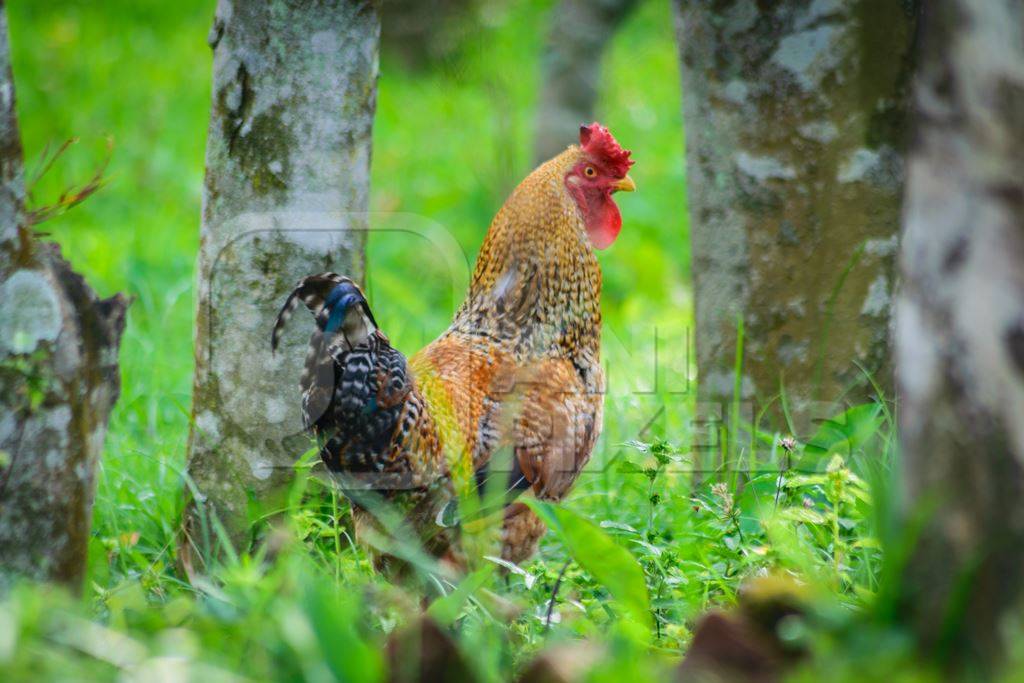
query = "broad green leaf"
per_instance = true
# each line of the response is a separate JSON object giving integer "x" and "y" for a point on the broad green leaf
{"x": 605, "y": 560}
{"x": 846, "y": 432}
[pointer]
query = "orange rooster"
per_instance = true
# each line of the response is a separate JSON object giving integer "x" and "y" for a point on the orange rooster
{"x": 519, "y": 369}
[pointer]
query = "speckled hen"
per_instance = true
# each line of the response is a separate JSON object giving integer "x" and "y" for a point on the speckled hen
{"x": 518, "y": 372}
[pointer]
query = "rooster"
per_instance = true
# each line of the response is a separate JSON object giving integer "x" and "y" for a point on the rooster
{"x": 519, "y": 368}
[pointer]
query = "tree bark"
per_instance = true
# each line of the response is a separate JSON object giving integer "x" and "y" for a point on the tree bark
{"x": 286, "y": 194}
{"x": 58, "y": 381}
{"x": 960, "y": 327}
{"x": 795, "y": 119}
{"x": 580, "y": 32}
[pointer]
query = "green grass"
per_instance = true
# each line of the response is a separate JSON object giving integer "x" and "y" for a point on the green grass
{"x": 449, "y": 143}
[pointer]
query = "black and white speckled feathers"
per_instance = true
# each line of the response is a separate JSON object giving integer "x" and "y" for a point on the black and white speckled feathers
{"x": 367, "y": 385}
{"x": 354, "y": 384}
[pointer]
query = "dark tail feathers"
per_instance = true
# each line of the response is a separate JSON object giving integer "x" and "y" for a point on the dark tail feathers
{"x": 313, "y": 292}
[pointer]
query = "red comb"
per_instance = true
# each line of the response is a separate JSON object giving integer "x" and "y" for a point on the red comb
{"x": 599, "y": 143}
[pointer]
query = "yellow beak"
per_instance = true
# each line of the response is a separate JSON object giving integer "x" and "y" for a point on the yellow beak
{"x": 624, "y": 185}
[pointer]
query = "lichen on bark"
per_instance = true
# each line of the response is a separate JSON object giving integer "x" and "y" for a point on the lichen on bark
{"x": 285, "y": 195}
{"x": 795, "y": 119}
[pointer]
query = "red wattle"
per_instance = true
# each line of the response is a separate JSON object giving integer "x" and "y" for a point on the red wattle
{"x": 605, "y": 225}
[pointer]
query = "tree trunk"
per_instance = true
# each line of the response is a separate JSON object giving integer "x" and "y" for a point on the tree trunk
{"x": 58, "y": 381}
{"x": 286, "y": 193}
{"x": 580, "y": 32}
{"x": 795, "y": 117}
{"x": 960, "y": 328}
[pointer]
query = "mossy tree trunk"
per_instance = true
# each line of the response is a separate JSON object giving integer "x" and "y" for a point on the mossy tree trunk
{"x": 960, "y": 328}
{"x": 286, "y": 194}
{"x": 58, "y": 381}
{"x": 795, "y": 117}
{"x": 579, "y": 35}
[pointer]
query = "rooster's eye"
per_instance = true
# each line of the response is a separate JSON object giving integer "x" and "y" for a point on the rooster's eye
{"x": 590, "y": 172}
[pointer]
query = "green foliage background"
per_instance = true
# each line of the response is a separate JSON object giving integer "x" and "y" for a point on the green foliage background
{"x": 641, "y": 547}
